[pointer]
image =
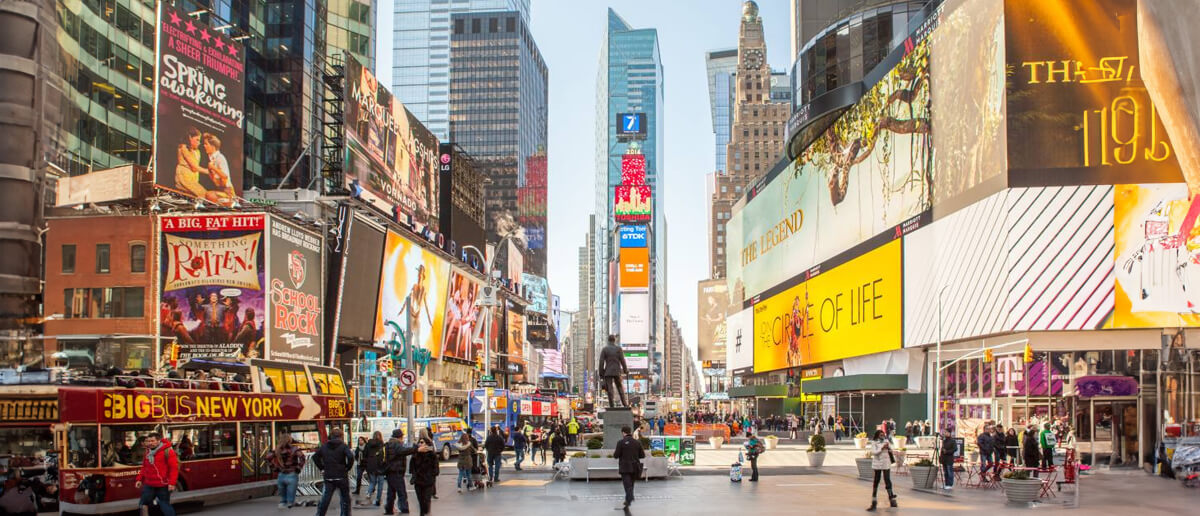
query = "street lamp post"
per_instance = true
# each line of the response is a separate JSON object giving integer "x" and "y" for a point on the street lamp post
{"x": 487, "y": 333}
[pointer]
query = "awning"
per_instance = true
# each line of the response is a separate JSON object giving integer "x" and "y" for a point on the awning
{"x": 858, "y": 382}
{"x": 759, "y": 391}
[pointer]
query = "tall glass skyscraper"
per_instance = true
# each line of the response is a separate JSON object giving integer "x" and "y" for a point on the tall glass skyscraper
{"x": 721, "y": 65}
{"x": 419, "y": 65}
{"x": 630, "y": 80}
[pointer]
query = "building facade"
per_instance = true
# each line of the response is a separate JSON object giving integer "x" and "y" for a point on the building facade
{"x": 350, "y": 26}
{"x": 498, "y": 114}
{"x": 419, "y": 68}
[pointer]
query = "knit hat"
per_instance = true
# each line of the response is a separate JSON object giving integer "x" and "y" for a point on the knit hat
{"x": 398, "y": 433}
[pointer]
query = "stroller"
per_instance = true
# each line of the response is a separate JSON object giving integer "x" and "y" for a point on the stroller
{"x": 479, "y": 473}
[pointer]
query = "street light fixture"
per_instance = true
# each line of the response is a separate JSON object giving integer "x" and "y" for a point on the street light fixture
{"x": 487, "y": 328}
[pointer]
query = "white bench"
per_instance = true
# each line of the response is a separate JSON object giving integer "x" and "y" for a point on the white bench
{"x": 601, "y": 468}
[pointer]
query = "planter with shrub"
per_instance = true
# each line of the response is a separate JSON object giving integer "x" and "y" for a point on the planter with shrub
{"x": 595, "y": 443}
{"x": 864, "y": 468}
{"x": 924, "y": 472}
{"x": 716, "y": 441}
{"x": 860, "y": 441}
{"x": 816, "y": 451}
{"x": 1019, "y": 488}
{"x": 771, "y": 442}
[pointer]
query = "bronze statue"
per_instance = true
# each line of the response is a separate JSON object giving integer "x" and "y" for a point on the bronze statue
{"x": 611, "y": 370}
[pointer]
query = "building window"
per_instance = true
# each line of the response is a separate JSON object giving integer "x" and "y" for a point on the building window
{"x": 103, "y": 303}
{"x": 137, "y": 258}
{"x": 68, "y": 258}
{"x": 459, "y": 26}
{"x": 102, "y": 251}
{"x": 475, "y": 26}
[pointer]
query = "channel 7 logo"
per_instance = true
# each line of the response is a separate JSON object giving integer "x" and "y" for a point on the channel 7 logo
{"x": 632, "y": 123}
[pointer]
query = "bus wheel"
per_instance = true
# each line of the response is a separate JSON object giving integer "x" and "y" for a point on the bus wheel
{"x": 446, "y": 452}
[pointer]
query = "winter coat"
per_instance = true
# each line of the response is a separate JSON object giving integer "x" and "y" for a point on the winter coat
{"x": 334, "y": 459}
{"x": 879, "y": 455}
{"x": 1031, "y": 450}
{"x": 947, "y": 451}
{"x": 395, "y": 455}
{"x": 629, "y": 455}
{"x": 520, "y": 442}
{"x": 466, "y": 455}
{"x": 494, "y": 445}
{"x": 286, "y": 458}
{"x": 986, "y": 443}
{"x": 424, "y": 468}
{"x": 373, "y": 457}
{"x": 160, "y": 467}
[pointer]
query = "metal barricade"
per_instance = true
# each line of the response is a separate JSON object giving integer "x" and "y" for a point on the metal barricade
{"x": 309, "y": 483}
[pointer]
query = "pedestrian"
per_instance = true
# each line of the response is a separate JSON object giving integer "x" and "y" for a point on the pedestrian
{"x": 573, "y": 432}
{"x": 629, "y": 455}
{"x": 424, "y": 473}
{"x": 287, "y": 460}
{"x": 495, "y": 448}
{"x": 334, "y": 459}
{"x": 466, "y": 461}
{"x": 358, "y": 461}
{"x": 793, "y": 427}
{"x": 908, "y": 429}
{"x": 1048, "y": 441}
{"x": 1012, "y": 446}
{"x": 558, "y": 445}
{"x": 376, "y": 467}
{"x": 946, "y": 458}
{"x": 999, "y": 448}
{"x": 754, "y": 447}
{"x": 881, "y": 462}
{"x": 520, "y": 442}
{"x": 159, "y": 473}
{"x": 987, "y": 445}
{"x": 1030, "y": 445}
{"x": 395, "y": 454}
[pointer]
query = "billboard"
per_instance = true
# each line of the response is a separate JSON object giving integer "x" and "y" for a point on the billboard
{"x": 391, "y": 159}
{"x": 635, "y": 268}
{"x": 637, "y": 360}
{"x": 295, "y": 308}
{"x": 712, "y": 300}
{"x": 632, "y": 236}
{"x": 199, "y": 110}
{"x": 538, "y": 293}
{"x": 635, "y": 320}
{"x": 531, "y": 210}
{"x": 632, "y": 203}
{"x": 361, "y": 245}
{"x": 631, "y": 124}
{"x": 112, "y": 184}
{"x": 1156, "y": 259}
{"x": 868, "y": 173}
{"x": 412, "y": 294}
{"x": 211, "y": 271}
{"x": 633, "y": 169}
{"x": 850, "y": 310}
{"x": 516, "y": 338}
{"x": 1079, "y": 112}
{"x": 739, "y": 341}
{"x": 462, "y": 316}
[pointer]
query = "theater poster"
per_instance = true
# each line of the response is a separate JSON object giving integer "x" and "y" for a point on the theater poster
{"x": 211, "y": 273}
{"x": 296, "y": 317}
{"x": 199, "y": 109}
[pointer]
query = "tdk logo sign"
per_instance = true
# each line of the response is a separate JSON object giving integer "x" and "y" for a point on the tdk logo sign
{"x": 633, "y": 236}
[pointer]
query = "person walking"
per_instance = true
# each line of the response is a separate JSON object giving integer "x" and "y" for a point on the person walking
{"x": 334, "y": 459}
{"x": 754, "y": 448}
{"x": 946, "y": 457}
{"x": 159, "y": 473}
{"x": 520, "y": 442}
{"x": 287, "y": 460}
{"x": 629, "y": 455}
{"x": 558, "y": 445}
{"x": 375, "y": 466}
{"x": 395, "y": 454}
{"x": 424, "y": 473}
{"x": 881, "y": 462}
{"x": 466, "y": 461}
{"x": 1048, "y": 441}
{"x": 1030, "y": 446}
{"x": 573, "y": 432}
{"x": 358, "y": 460}
{"x": 495, "y": 448}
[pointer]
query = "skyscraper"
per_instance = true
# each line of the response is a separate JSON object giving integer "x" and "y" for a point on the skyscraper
{"x": 721, "y": 65}
{"x": 498, "y": 113}
{"x": 419, "y": 66}
{"x": 630, "y": 80}
{"x": 757, "y": 135}
{"x": 350, "y": 26}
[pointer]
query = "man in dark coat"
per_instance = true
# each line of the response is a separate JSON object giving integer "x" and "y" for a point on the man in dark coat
{"x": 424, "y": 473}
{"x": 629, "y": 455}
{"x": 987, "y": 446}
{"x": 611, "y": 369}
{"x": 395, "y": 456}
{"x": 334, "y": 459}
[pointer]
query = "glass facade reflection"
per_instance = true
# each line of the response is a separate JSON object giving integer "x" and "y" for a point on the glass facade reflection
{"x": 846, "y": 50}
{"x": 721, "y": 66}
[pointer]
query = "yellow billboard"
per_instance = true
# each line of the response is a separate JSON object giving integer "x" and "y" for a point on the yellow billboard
{"x": 851, "y": 310}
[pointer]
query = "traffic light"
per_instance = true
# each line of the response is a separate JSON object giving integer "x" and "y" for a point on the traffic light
{"x": 987, "y": 356}
{"x": 1028, "y": 353}
{"x": 478, "y": 363}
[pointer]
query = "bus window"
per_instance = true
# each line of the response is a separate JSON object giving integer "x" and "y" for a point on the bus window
{"x": 329, "y": 383}
{"x": 304, "y": 435}
{"x": 224, "y": 440}
{"x": 122, "y": 445}
{"x": 191, "y": 442}
{"x": 81, "y": 447}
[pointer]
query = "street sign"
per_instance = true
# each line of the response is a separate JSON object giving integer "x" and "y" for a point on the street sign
{"x": 486, "y": 382}
{"x": 408, "y": 378}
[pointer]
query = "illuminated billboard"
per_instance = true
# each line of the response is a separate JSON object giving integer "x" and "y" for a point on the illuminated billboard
{"x": 632, "y": 236}
{"x": 635, "y": 320}
{"x": 739, "y": 341}
{"x": 391, "y": 158}
{"x": 633, "y": 169}
{"x": 633, "y": 203}
{"x": 635, "y": 268}
{"x": 412, "y": 294}
{"x": 712, "y": 299}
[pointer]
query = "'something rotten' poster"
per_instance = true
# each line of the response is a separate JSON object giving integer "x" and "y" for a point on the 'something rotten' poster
{"x": 211, "y": 271}
{"x": 200, "y": 102}
{"x": 295, "y": 324}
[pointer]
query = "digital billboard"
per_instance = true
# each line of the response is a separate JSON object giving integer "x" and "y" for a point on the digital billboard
{"x": 359, "y": 245}
{"x": 850, "y": 310}
{"x": 212, "y": 301}
{"x": 868, "y": 173}
{"x": 637, "y": 360}
{"x": 635, "y": 268}
{"x": 1155, "y": 259}
{"x": 633, "y": 203}
{"x": 516, "y": 338}
{"x": 412, "y": 294}
{"x": 631, "y": 124}
{"x": 391, "y": 158}
{"x": 632, "y": 236}
{"x": 633, "y": 169}
{"x": 295, "y": 278}
{"x": 634, "y": 326}
{"x": 199, "y": 109}
{"x": 462, "y": 316}
{"x": 538, "y": 291}
{"x": 713, "y": 300}
{"x": 739, "y": 341}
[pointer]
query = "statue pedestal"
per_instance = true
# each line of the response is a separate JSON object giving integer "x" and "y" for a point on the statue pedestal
{"x": 614, "y": 419}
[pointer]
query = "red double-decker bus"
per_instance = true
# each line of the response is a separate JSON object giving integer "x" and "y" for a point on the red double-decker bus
{"x": 91, "y": 435}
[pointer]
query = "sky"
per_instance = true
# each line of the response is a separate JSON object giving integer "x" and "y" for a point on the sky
{"x": 569, "y": 34}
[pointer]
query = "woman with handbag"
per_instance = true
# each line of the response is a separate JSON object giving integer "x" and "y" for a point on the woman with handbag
{"x": 881, "y": 462}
